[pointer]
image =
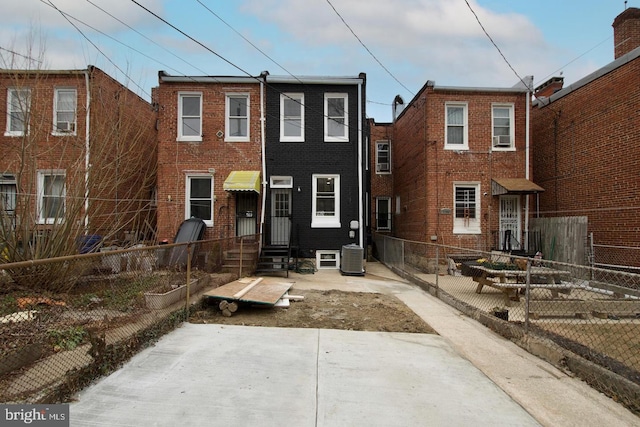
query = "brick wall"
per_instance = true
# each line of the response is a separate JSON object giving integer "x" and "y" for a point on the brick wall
{"x": 381, "y": 183}
{"x": 424, "y": 172}
{"x": 177, "y": 159}
{"x": 586, "y": 151}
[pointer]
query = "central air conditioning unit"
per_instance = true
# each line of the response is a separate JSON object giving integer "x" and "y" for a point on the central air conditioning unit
{"x": 352, "y": 260}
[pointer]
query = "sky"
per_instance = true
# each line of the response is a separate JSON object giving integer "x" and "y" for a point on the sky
{"x": 398, "y": 44}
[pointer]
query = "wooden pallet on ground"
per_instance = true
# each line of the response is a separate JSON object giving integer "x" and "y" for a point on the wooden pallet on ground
{"x": 249, "y": 291}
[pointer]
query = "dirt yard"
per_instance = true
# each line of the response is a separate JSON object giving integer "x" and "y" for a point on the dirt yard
{"x": 331, "y": 309}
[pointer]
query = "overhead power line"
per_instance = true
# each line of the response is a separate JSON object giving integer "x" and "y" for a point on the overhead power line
{"x": 368, "y": 50}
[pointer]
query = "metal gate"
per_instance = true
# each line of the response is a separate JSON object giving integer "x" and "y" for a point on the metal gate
{"x": 280, "y": 216}
{"x": 510, "y": 225}
{"x": 246, "y": 213}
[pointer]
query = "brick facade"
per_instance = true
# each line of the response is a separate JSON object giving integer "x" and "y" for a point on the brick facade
{"x": 212, "y": 155}
{"x": 586, "y": 142}
{"x": 425, "y": 172}
{"x": 121, "y": 142}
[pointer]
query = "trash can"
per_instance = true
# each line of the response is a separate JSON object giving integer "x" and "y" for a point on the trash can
{"x": 89, "y": 243}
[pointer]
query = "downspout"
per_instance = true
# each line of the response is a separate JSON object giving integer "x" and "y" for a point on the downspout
{"x": 360, "y": 172}
{"x": 87, "y": 148}
{"x": 263, "y": 160}
{"x": 527, "y": 155}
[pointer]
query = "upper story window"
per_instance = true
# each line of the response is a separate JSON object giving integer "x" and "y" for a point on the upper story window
{"x": 292, "y": 117}
{"x": 467, "y": 208}
{"x": 199, "y": 198}
{"x": 503, "y": 132}
{"x": 383, "y": 157}
{"x": 64, "y": 111}
{"x": 189, "y": 116}
{"x": 336, "y": 117}
{"x": 456, "y": 129}
{"x": 18, "y": 107}
{"x": 237, "y": 117}
{"x": 51, "y": 196}
{"x": 326, "y": 201}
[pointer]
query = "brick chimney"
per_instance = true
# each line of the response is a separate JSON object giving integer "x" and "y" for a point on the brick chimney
{"x": 626, "y": 31}
{"x": 549, "y": 87}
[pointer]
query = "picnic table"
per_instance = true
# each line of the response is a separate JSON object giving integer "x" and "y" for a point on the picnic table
{"x": 511, "y": 282}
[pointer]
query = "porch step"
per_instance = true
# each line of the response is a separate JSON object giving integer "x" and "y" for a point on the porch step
{"x": 273, "y": 259}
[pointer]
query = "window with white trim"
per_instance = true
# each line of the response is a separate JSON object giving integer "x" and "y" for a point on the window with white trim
{"x": 336, "y": 117}
{"x": 237, "y": 117}
{"x": 199, "y": 198}
{"x": 18, "y": 108}
{"x": 466, "y": 218}
{"x": 64, "y": 111}
{"x": 456, "y": 129}
{"x": 281, "y": 181}
{"x": 383, "y": 157}
{"x": 326, "y": 201}
{"x": 292, "y": 117}
{"x": 327, "y": 259}
{"x": 383, "y": 213}
{"x": 189, "y": 116}
{"x": 502, "y": 120}
{"x": 51, "y": 196}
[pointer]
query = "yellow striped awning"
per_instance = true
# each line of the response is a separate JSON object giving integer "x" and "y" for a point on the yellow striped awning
{"x": 242, "y": 181}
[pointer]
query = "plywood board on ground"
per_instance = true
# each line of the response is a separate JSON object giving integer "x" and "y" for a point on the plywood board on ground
{"x": 262, "y": 293}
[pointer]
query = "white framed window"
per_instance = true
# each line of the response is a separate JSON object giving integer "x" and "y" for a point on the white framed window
{"x": 190, "y": 116}
{"x": 51, "y": 196}
{"x": 503, "y": 135}
{"x": 18, "y": 108}
{"x": 281, "y": 181}
{"x": 292, "y": 117}
{"x": 456, "y": 132}
{"x": 326, "y": 201}
{"x": 383, "y": 213}
{"x": 199, "y": 198}
{"x": 237, "y": 117}
{"x": 466, "y": 212}
{"x": 327, "y": 260}
{"x": 336, "y": 117}
{"x": 64, "y": 111}
{"x": 383, "y": 157}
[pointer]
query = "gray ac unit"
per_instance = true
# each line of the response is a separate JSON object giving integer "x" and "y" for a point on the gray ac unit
{"x": 352, "y": 260}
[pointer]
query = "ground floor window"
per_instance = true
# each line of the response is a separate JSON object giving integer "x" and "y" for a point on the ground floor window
{"x": 467, "y": 208}
{"x": 383, "y": 213}
{"x": 326, "y": 201}
{"x": 327, "y": 259}
{"x": 51, "y": 196}
{"x": 199, "y": 198}
{"x": 8, "y": 199}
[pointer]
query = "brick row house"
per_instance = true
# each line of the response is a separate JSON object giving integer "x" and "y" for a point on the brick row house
{"x": 280, "y": 156}
{"x": 78, "y": 159}
{"x": 460, "y": 167}
{"x": 586, "y": 140}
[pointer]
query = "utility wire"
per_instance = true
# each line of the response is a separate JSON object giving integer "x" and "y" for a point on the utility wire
{"x": 495, "y": 45}
{"x": 98, "y": 49}
{"x": 367, "y": 49}
{"x": 19, "y": 54}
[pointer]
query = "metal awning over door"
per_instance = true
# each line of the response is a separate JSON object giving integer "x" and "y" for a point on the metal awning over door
{"x": 243, "y": 181}
{"x": 500, "y": 186}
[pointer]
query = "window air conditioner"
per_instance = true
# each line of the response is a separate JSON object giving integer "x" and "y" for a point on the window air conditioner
{"x": 502, "y": 141}
{"x": 382, "y": 167}
{"x": 65, "y": 127}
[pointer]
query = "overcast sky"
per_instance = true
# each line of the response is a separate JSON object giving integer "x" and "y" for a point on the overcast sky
{"x": 399, "y": 44}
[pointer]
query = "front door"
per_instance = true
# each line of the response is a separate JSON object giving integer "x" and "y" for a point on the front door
{"x": 246, "y": 213}
{"x": 280, "y": 216}
{"x": 510, "y": 222}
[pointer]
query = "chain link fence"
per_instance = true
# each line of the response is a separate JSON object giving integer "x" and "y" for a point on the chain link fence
{"x": 67, "y": 321}
{"x": 581, "y": 318}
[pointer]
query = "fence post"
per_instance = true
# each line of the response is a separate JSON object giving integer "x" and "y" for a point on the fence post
{"x": 527, "y": 296}
{"x": 437, "y": 267}
{"x": 241, "y": 250}
{"x": 189, "y": 258}
{"x": 402, "y": 255}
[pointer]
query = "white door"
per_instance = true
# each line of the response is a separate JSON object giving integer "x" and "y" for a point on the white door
{"x": 280, "y": 216}
{"x": 510, "y": 221}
